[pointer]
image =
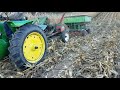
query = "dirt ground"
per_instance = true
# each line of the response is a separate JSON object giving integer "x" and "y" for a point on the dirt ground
{"x": 96, "y": 55}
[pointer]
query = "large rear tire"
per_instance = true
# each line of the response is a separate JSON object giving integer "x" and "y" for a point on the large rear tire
{"x": 28, "y": 46}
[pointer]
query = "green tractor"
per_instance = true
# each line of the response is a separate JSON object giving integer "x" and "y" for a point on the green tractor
{"x": 25, "y": 41}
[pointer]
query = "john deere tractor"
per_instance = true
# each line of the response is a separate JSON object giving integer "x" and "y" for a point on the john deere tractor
{"x": 25, "y": 41}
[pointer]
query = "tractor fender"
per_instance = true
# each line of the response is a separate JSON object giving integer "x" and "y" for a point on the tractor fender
{"x": 18, "y": 23}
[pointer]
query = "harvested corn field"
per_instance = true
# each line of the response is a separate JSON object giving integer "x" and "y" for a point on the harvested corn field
{"x": 93, "y": 56}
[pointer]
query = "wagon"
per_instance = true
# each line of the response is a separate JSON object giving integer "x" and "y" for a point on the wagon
{"x": 78, "y": 23}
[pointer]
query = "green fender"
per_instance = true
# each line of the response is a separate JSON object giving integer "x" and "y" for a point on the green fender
{"x": 3, "y": 48}
{"x": 4, "y": 40}
{"x": 18, "y": 23}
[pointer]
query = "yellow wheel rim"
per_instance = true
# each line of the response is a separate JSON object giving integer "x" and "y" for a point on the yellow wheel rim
{"x": 34, "y": 47}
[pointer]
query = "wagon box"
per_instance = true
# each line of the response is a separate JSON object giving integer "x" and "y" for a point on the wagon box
{"x": 78, "y": 23}
{"x": 77, "y": 19}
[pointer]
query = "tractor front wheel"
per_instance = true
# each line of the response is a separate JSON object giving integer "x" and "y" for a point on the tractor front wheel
{"x": 28, "y": 46}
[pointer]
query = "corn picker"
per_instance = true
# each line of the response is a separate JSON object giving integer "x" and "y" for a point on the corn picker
{"x": 25, "y": 41}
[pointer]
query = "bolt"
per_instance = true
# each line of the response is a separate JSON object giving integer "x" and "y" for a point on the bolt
{"x": 36, "y": 47}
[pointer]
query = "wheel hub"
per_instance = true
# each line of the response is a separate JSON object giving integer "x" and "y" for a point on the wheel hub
{"x": 34, "y": 48}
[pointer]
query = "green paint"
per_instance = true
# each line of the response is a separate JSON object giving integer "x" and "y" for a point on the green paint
{"x": 4, "y": 40}
{"x": 77, "y": 22}
{"x": 77, "y": 19}
{"x": 18, "y": 23}
{"x": 14, "y": 25}
{"x": 3, "y": 48}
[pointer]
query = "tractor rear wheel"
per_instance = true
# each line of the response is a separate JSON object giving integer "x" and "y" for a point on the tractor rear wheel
{"x": 28, "y": 46}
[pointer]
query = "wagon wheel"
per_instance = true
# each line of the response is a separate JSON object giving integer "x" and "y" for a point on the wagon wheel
{"x": 65, "y": 36}
{"x": 89, "y": 31}
{"x": 84, "y": 32}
